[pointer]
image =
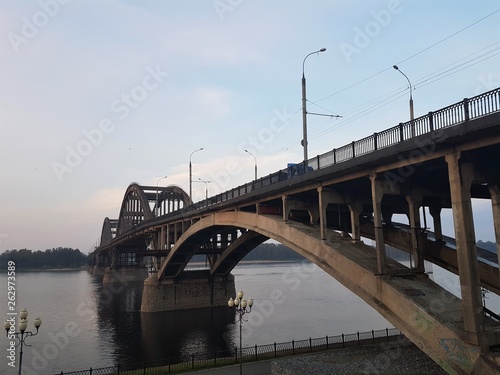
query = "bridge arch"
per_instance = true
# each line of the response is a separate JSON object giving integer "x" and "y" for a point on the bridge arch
{"x": 141, "y": 203}
{"x": 135, "y": 208}
{"x": 404, "y": 300}
{"x": 108, "y": 231}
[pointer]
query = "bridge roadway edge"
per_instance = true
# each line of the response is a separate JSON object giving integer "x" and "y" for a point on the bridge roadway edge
{"x": 427, "y": 314}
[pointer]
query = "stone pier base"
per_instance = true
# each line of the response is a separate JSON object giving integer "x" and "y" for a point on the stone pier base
{"x": 125, "y": 275}
{"x": 194, "y": 290}
{"x": 98, "y": 271}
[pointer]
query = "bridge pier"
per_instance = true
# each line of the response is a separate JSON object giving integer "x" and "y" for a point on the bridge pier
{"x": 195, "y": 289}
{"x": 124, "y": 275}
{"x": 98, "y": 271}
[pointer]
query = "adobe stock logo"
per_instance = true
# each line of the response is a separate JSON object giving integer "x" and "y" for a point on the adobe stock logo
{"x": 122, "y": 107}
{"x": 223, "y": 6}
{"x": 363, "y": 36}
{"x": 31, "y": 26}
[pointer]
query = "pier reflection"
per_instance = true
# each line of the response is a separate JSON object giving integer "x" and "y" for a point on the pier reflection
{"x": 134, "y": 337}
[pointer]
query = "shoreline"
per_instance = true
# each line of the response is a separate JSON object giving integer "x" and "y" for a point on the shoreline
{"x": 83, "y": 268}
{"x": 66, "y": 269}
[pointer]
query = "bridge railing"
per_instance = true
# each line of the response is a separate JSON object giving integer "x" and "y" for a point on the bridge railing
{"x": 463, "y": 111}
{"x": 247, "y": 354}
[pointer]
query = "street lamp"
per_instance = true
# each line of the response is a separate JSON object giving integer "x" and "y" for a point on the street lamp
{"x": 304, "y": 108}
{"x": 411, "y": 101}
{"x": 21, "y": 336}
{"x": 156, "y": 206}
{"x": 206, "y": 186}
{"x": 191, "y": 174}
{"x": 255, "y": 162}
{"x": 240, "y": 305}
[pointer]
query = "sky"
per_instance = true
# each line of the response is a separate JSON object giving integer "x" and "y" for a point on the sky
{"x": 96, "y": 95}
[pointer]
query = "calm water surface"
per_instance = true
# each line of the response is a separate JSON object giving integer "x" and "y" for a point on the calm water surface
{"x": 87, "y": 325}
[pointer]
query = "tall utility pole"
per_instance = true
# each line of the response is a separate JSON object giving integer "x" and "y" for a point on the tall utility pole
{"x": 304, "y": 108}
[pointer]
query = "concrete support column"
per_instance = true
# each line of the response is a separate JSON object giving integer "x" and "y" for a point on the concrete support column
{"x": 322, "y": 213}
{"x": 325, "y": 197}
{"x": 162, "y": 238}
{"x": 286, "y": 208}
{"x": 460, "y": 177}
{"x": 167, "y": 240}
{"x": 355, "y": 209}
{"x": 414, "y": 204}
{"x": 435, "y": 212}
{"x": 176, "y": 232}
{"x": 495, "y": 203}
{"x": 154, "y": 238}
{"x": 377, "y": 194}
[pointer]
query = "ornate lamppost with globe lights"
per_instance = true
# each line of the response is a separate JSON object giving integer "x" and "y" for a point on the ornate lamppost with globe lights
{"x": 22, "y": 334}
{"x": 242, "y": 307}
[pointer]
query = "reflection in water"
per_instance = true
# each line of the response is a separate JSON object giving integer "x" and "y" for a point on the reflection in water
{"x": 138, "y": 337}
{"x": 186, "y": 332}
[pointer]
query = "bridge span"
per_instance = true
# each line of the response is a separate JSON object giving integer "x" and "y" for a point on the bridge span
{"x": 439, "y": 161}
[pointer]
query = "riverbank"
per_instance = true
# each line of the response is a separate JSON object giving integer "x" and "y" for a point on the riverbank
{"x": 400, "y": 357}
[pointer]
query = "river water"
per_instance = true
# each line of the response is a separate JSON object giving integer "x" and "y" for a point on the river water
{"x": 87, "y": 325}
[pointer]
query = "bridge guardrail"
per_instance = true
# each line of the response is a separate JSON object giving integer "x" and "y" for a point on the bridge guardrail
{"x": 248, "y": 354}
{"x": 463, "y": 111}
{"x": 457, "y": 113}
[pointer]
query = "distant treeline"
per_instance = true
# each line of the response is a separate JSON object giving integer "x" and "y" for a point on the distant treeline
{"x": 62, "y": 257}
{"x": 487, "y": 245}
{"x": 271, "y": 251}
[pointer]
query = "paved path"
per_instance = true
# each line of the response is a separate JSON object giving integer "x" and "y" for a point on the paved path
{"x": 253, "y": 368}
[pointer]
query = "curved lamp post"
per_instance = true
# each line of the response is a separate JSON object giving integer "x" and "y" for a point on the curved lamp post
{"x": 191, "y": 174}
{"x": 156, "y": 206}
{"x": 255, "y": 163}
{"x": 241, "y": 305}
{"x": 22, "y": 334}
{"x": 411, "y": 101}
{"x": 304, "y": 108}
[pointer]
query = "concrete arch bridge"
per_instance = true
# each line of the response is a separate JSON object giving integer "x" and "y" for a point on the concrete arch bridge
{"x": 323, "y": 208}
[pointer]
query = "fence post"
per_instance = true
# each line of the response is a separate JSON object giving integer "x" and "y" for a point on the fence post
{"x": 326, "y": 342}
{"x": 387, "y": 333}
{"x": 334, "y": 156}
{"x": 310, "y": 345}
{"x": 293, "y": 347}
{"x": 359, "y": 343}
{"x": 466, "y": 109}
{"x": 343, "y": 341}
{"x": 90, "y": 371}
{"x": 275, "y": 354}
{"x": 431, "y": 121}
{"x": 401, "y": 135}
{"x": 373, "y": 335}
{"x": 255, "y": 351}
{"x": 118, "y": 368}
{"x": 317, "y": 156}
{"x": 235, "y": 354}
{"x": 375, "y": 140}
{"x": 353, "y": 149}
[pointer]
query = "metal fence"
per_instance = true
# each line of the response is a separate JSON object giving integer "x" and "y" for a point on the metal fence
{"x": 452, "y": 115}
{"x": 248, "y": 354}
